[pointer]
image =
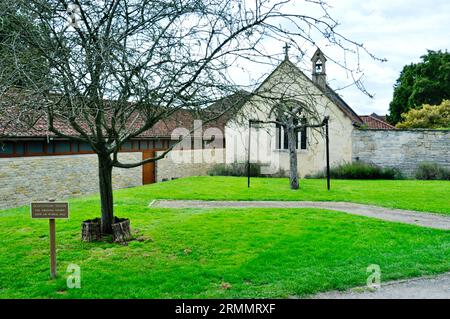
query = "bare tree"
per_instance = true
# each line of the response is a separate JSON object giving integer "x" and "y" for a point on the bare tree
{"x": 21, "y": 67}
{"x": 294, "y": 105}
{"x": 294, "y": 116}
{"x": 118, "y": 67}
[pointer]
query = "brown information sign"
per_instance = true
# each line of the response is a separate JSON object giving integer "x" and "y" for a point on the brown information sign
{"x": 49, "y": 210}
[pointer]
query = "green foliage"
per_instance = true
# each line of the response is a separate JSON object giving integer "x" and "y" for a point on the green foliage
{"x": 261, "y": 253}
{"x": 426, "y": 82}
{"x": 432, "y": 171}
{"x": 235, "y": 169}
{"x": 428, "y": 116}
{"x": 360, "y": 170}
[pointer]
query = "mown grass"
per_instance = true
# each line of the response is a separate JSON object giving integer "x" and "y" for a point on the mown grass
{"x": 427, "y": 196}
{"x": 190, "y": 253}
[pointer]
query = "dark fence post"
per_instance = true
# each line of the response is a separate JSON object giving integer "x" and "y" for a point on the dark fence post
{"x": 328, "y": 152}
{"x": 248, "y": 155}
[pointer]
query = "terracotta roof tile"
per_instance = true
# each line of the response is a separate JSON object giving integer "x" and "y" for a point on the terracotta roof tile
{"x": 181, "y": 118}
{"x": 376, "y": 122}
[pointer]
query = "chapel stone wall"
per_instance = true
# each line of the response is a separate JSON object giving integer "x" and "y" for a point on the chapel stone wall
{"x": 403, "y": 149}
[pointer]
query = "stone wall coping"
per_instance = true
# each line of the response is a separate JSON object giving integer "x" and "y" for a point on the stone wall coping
{"x": 404, "y": 130}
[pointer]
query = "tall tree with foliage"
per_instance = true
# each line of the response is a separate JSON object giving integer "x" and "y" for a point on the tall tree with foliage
{"x": 426, "y": 82}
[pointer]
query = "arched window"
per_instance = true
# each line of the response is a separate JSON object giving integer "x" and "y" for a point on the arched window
{"x": 282, "y": 139}
{"x": 303, "y": 136}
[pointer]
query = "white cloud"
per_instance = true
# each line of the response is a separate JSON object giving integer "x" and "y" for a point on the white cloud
{"x": 400, "y": 31}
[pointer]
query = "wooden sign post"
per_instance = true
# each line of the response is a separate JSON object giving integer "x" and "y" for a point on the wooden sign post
{"x": 50, "y": 210}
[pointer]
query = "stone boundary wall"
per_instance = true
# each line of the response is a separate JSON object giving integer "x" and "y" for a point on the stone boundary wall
{"x": 404, "y": 149}
{"x": 185, "y": 163}
{"x": 26, "y": 179}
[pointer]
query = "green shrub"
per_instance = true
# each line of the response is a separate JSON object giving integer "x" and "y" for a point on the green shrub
{"x": 360, "y": 170}
{"x": 235, "y": 169}
{"x": 432, "y": 171}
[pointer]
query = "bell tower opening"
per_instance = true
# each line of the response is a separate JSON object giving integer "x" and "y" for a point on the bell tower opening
{"x": 319, "y": 75}
{"x": 318, "y": 68}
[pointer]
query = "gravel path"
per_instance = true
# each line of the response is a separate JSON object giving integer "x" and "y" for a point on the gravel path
{"x": 420, "y": 288}
{"x": 395, "y": 215}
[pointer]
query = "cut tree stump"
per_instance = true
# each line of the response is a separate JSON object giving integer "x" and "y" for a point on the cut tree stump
{"x": 91, "y": 230}
{"x": 121, "y": 230}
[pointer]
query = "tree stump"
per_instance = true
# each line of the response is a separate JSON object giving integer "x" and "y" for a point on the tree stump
{"x": 91, "y": 230}
{"x": 121, "y": 230}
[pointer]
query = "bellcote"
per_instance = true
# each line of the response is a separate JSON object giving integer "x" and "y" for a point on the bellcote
{"x": 319, "y": 75}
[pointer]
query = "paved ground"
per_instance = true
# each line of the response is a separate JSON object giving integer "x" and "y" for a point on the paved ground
{"x": 421, "y": 288}
{"x": 396, "y": 215}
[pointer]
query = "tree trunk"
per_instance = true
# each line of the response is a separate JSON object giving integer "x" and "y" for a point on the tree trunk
{"x": 91, "y": 230}
{"x": 293, "y": 175}
{"x": 121, "y": 230}
{"x": 106, "y": 193}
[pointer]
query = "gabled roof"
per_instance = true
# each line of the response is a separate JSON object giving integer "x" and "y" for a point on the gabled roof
{"x": 375, "y": 121}
{"x": 319, "y": 55}
{"x": 327, "y": 91}
{"x": 337, "y": 99}
{"x": 233, "y": 103}
{"x": 39, "y": 129}
{"x": 183, "y": 118}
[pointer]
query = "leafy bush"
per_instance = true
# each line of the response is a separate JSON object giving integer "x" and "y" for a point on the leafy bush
{"x": 428, "y": 116}
{"x": 360, "y": 170}
{"x": 235, "y": 169}
{"x": 432, "y": 171}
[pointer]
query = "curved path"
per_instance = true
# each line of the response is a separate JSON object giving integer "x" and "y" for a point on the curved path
{"x": 419, "y": 288}
{"x": 394, "y": 215}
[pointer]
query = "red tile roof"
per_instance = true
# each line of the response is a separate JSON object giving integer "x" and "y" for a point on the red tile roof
{"x": 181, "y": 118}
{"x": 374, "y": 121}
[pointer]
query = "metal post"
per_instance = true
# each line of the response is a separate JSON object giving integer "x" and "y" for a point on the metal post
{"x": 328, "y": 152}
{"x": 248, "y": 155}
{"x": 52, "y": 248}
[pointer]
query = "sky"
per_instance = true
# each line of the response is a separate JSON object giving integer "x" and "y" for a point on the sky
{"x": 400, "y": 31}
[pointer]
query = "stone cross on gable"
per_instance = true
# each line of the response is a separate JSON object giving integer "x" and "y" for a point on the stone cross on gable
{"x": 286, "y": 50}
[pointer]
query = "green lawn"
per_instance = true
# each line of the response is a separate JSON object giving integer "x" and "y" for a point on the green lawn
{"x": 428, "y": 196}
{"x": 194, "y": 253}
